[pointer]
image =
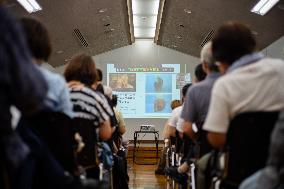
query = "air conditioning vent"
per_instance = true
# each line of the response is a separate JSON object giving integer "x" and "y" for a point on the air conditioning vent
{"x": 207, "y": 38}
{"x": 81, "y": 38}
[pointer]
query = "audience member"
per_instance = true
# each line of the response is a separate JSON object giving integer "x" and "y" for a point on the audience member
{"x": 107, "y": 92}
{"x": 120, "y": 122}
{"x": 252, "y": 82}
{"x": 173, "y": 124}
{"x": 23, "y": 86}
{"x": 81, "y": 74}
{"x": 199, "y": 73}
{"x": 168, "y": 132}
{"x": 196, "y": 106}
{"x": 58, "y": 98}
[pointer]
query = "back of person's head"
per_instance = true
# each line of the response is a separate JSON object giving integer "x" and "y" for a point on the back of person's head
{"x": 232, "y": 41}
{"x": 206, "y": 57}
{"x": 199, "y": 73}
{"x": 37, "y": 37}
{"x": 185, "y": 88}
{"x": 100, "y": 75}
{"x": 81, "y": 68}
{"x": 108, "y": 91}
{"x": 114, "y": 100}
{"x": 175, "y": 103}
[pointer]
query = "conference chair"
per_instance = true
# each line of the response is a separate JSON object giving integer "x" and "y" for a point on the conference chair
{"x": 246, "y": 150}
{"x": 56, "y": 131}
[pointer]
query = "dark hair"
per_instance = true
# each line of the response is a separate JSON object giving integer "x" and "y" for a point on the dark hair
{"x": 81, "y": 68}
{"x": 100, "y": 74}
{"x": 175, "y": 103}
{"x": 37, "y": 37}
{"x": 199, "y": 72}
{"x": 114, "y": 100}
{"x": 185, "y": 88}
{"x": 232, "y": 41}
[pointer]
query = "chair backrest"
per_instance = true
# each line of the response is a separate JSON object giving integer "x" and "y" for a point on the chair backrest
{"x": 55, "y": 129}
{"x": 248, "y": 141}
{"x": 87, "y": 129}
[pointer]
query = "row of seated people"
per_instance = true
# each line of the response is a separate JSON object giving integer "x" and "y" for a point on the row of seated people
{"x": 235, "y": 110}
{"x": 68, "y": 136}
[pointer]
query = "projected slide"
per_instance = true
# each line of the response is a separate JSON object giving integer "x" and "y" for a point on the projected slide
{"x": 146, "y": 92}
{"x": 158, "y": 83}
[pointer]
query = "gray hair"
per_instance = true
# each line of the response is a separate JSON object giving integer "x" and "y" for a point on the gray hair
{"x": 206, "y": 56}
{"x": 206, "y": 53}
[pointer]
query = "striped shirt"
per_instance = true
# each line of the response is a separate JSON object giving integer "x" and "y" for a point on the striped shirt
{"x": 89, "y": 104}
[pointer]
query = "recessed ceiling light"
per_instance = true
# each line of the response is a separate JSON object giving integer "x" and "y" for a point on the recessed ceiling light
{"x": 66, "y": 60}
{"x": 59, "y": 52}
{"x": 112, "y": 29}
{"x": 178, "y": 37}
{"x": 254, "y": 32}
{"x": 187, "y": 11}
{"x": 102, "y": 10}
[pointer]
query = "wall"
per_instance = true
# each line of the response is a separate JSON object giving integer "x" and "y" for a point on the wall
{"x": 276, "y": 49}
{"x": 144, "y": 52}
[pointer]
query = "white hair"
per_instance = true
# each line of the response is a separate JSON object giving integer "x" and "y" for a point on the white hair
{"x": 108, "y": 91}
{"x": 206, "y": 53}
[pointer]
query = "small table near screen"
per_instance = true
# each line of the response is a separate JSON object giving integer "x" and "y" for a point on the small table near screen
{"x": 136, "y": 136}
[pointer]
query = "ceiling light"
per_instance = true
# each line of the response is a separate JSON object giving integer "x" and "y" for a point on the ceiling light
{"x": 187, "y": 11}
{"x": 178, "y": 37}
{"x": 145, "y": 18}
{"x": 30, "y": 5}
{"x": 144, "y": 32}
{"x": 59, "y": 52}
{"x": 254, "y": 32}
{"x": 263, "y": 6}
{"x": 102, "y": 10}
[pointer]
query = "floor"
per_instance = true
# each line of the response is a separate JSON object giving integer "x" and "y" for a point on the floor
{"x": 143, "y": 176}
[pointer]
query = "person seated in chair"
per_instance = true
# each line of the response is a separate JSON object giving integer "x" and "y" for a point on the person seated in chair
{"x": 89, "y": 104}
{"x": 120, "y": 125}
{"x": 37, "y": 36}
{"x": 23, "y": 86}
{"x": 172, "y": 126}
{"x": 195, "y": 109}
{"x": 251, "y": 82}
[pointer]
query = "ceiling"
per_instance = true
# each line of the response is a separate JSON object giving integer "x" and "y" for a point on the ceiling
{"x": 185, "y": 23}
{"x": 103, "y": 23}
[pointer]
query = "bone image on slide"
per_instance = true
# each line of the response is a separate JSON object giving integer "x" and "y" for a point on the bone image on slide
{"x": 158, "y": 84}
{"x": 159, "y": 104}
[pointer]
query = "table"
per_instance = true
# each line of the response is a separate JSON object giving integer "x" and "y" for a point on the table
{"x": 136, "y": 136}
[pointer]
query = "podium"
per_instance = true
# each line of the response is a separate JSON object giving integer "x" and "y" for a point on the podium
{"x": 136, "y": 136}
